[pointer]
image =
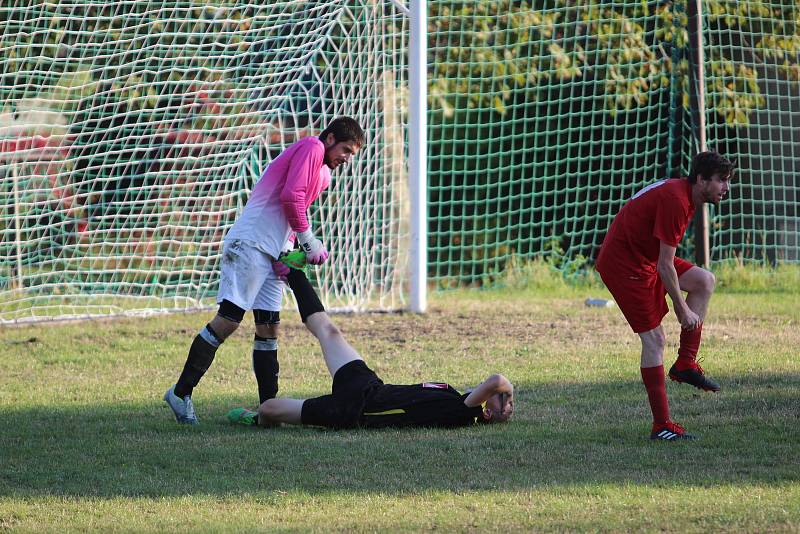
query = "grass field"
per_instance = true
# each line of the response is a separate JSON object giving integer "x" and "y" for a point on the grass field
{"x": 86, "y": 444}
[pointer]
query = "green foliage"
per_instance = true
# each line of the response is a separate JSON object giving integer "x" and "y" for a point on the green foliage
{"x": 494, "y": 54}
{"x": 507, "y": 46}
{"x": 540, "y": 106}
{"x": 736, "y": 276}
{"x": 558, "y": 272}
{"x": 554, "y": 270}
{"x": 542, "y": 275}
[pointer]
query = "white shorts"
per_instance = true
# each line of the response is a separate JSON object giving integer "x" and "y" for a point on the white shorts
{"x": 247, "y": 278}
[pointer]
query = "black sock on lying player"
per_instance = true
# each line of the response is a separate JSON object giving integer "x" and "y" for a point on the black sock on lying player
{"x": 308, "y": 302}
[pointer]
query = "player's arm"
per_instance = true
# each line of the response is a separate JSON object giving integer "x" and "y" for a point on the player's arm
{"x": 304, "y": 166}
{"x": 491, "y": 386}
{"x": 669, "y": 277}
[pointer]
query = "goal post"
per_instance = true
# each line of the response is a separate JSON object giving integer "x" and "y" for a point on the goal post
{"x": 155, "y": 119}
{"x": 418, "y": 154}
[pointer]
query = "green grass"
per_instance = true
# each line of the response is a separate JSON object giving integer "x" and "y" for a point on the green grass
{"x": 737, "y": 277}
{"x": 86, "y": 444}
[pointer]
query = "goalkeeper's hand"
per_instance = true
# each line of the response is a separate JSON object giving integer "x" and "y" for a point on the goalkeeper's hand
{"x": 281, "y": 270}
{"x": 316, "y": 253}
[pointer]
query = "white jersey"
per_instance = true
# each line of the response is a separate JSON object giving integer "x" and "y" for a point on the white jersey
{"x": 278, "y": 203}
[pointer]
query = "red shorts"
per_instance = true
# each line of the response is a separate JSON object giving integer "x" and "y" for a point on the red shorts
{"x": 641, "y": 298}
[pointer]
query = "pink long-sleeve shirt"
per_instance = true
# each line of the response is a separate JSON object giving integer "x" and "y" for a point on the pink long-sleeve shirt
{"x": 278, "y": 203}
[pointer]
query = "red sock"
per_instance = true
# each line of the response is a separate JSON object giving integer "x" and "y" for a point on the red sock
{"x": 690, "y": 344}
{"x": 653, "y": 378}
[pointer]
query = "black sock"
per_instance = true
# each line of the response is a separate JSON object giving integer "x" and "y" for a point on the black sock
{"x": 201, "y": 354}
{"x": 266, "y": 367}
{"x": 308, "y": 302}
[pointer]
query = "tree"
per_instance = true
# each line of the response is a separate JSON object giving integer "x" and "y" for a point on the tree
{"x": 485, "y": 51}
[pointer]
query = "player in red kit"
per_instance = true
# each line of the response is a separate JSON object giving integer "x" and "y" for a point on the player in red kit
{"x": 637, "y": 263}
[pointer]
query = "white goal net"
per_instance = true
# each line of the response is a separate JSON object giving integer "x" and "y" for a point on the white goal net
{"x": 132, "y": 131}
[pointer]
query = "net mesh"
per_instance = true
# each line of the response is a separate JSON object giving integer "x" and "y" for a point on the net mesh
{"x": 753, "y": 51}
{"x": 547, "y": 116}
{"x": 541, "y": 128}
{"x": 132, "y": 133}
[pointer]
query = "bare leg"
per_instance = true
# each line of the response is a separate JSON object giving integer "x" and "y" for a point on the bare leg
{"x": 336, "y": 350}
{"x": 267, "y": 330}
{"x": 699, "y": 285}
{"x": 274, "y": 411}
{"x": 653, "y": 342}
{"x": 222, "y": 326}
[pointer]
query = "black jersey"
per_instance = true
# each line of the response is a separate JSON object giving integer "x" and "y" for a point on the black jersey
{"x": 427, "y": 404}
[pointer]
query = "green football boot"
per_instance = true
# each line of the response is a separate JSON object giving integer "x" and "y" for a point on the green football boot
{"x": 243, "y": 416}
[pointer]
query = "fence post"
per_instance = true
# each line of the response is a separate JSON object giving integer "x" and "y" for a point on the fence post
{"x": 697, "y": 95}
{"x": 675, "y": 137}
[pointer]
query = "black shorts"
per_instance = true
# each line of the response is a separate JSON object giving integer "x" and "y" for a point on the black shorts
{"x": 352, "y": 383}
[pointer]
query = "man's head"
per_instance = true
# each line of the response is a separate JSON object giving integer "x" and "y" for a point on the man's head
{"x": 498, "y": 409}
{"x": 342, "y": 139}
{"x": 710, "y": 176}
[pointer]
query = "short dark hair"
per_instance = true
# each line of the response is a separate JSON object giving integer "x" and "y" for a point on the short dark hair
{"x": 344, "y": 129}
{"x": 707, "y": 164}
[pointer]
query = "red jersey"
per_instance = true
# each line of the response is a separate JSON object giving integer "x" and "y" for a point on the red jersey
{"x": 659, "y": 212}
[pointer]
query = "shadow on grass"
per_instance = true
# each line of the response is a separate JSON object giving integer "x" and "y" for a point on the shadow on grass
{"x": 562, "y": 434}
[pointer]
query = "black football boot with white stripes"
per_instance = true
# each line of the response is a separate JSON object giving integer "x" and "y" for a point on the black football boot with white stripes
{"x": 694, "y": 376}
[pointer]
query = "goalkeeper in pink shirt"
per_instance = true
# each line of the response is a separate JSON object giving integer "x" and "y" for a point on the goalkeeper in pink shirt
{"x": 251, "y": 277}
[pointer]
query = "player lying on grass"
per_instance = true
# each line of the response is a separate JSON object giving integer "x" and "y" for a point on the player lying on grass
{"x": 360, "y": 399}
{"x": 275, "y": 213}
{"x": 637, "y": 263}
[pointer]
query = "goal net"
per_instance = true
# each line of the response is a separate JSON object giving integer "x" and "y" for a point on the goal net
{"x": 131, "y": 133}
